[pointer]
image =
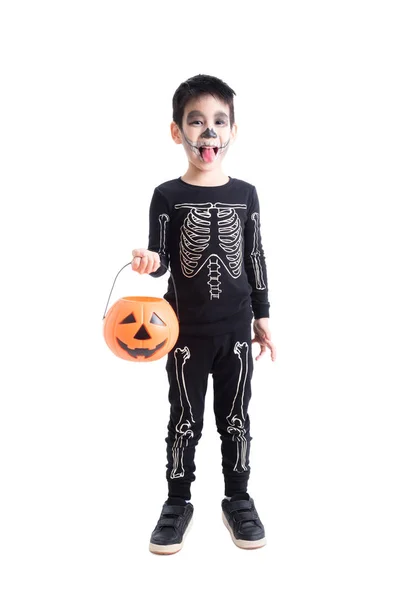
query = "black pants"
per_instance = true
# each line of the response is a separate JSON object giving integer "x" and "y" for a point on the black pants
{"x": 229, "y": 359}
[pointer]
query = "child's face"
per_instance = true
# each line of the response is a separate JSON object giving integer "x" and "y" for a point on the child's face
{"x": 206, "y": 134}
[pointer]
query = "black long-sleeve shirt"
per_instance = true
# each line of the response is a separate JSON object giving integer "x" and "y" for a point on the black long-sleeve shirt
{"x": 210, "y": 239}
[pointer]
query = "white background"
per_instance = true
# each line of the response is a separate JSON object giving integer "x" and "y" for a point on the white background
{"x": 86, "y": 105}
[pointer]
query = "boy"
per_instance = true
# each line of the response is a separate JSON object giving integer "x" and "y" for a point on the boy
{"x": 206, "y": 227}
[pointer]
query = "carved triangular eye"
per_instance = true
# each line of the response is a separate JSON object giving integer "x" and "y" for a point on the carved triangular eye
{"x": 128, "y": 319}
{"x": 155, "y": 320}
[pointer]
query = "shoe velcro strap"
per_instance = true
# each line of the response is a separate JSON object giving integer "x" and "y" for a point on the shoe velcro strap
{"x": 240, "y": 505}
{"x": 244, "y": 516}
{"x": 173, "y": 510}
{"x": 166, "y": 522}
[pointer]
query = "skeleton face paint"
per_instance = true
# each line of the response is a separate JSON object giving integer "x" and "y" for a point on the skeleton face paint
{"x": 206, "y": 133}
{"x": 209, "y": 133}
{"x": 206, "y": 142}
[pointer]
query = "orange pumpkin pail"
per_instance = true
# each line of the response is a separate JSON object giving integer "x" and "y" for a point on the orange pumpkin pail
{"x": 140, "y": 328}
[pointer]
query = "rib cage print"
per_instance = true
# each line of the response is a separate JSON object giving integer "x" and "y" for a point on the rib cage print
{"x": 195, "y": 240}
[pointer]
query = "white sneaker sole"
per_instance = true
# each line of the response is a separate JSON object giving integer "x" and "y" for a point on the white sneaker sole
{"x": 172, "y": 548}
{"x": 245, "y": 544}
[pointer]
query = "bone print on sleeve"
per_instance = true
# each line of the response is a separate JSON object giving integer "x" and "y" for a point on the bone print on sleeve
{"x": 159, "y": 230}
{"x": 254, "y": 260}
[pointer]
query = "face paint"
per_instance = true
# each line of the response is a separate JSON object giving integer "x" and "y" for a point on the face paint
{"x": 207, "y": 134}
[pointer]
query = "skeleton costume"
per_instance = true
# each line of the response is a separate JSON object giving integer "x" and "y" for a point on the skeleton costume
{"x": 210, "y": 239}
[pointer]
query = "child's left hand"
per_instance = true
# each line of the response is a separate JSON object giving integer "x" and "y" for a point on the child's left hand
{"x": 263, "y": 337}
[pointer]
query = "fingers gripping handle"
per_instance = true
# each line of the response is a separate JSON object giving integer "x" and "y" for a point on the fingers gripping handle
{"x": 129, "y": 264}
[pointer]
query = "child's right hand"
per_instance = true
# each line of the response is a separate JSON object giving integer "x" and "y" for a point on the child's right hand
{"x": 145, "y": 261}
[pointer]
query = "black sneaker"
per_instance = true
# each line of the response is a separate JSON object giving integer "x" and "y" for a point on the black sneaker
{"x": 240, "y": 517}
{"x": 172, "y": 527}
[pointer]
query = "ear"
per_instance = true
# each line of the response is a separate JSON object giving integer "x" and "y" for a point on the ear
{"x": 176, "y": 133}
{"x": 233, "y": 132}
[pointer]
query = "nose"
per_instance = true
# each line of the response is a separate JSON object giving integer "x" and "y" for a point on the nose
{"x": 209, "y": 133}
{"x": 142, "y": 334}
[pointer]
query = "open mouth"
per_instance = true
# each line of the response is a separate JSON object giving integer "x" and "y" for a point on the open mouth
{"x": 208, "y": 153}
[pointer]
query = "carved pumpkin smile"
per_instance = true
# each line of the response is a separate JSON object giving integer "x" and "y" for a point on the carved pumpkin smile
{"x": 136, "y": 352}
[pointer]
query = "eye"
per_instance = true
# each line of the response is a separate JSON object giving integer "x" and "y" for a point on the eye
{"x": 128, "y": 319}
{"x": 219, "y": 122}
{"x": 155, "y": 320}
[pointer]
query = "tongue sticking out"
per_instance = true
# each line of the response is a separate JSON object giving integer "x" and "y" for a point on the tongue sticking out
{"x": 208, "y": 154}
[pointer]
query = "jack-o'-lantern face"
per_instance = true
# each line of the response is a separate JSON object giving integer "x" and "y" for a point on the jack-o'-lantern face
{"x": 141, "y": 328}
{"x": 127, "y": 333}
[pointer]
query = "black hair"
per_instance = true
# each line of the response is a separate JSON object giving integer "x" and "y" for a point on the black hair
{"x": 197, "y": 86}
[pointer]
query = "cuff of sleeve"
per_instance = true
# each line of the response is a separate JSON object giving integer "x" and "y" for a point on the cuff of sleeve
{"x": 163, "y": 268}
{"x": 261, "y": 311}
{"x": 160, "y": 271}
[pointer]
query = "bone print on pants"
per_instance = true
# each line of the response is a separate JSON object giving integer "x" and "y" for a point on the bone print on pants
{"x": 228, "y": 358}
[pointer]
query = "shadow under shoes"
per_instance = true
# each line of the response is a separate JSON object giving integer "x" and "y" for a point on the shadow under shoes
{"x": 240, "y": 517}
{"x": 172, "y": 527}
